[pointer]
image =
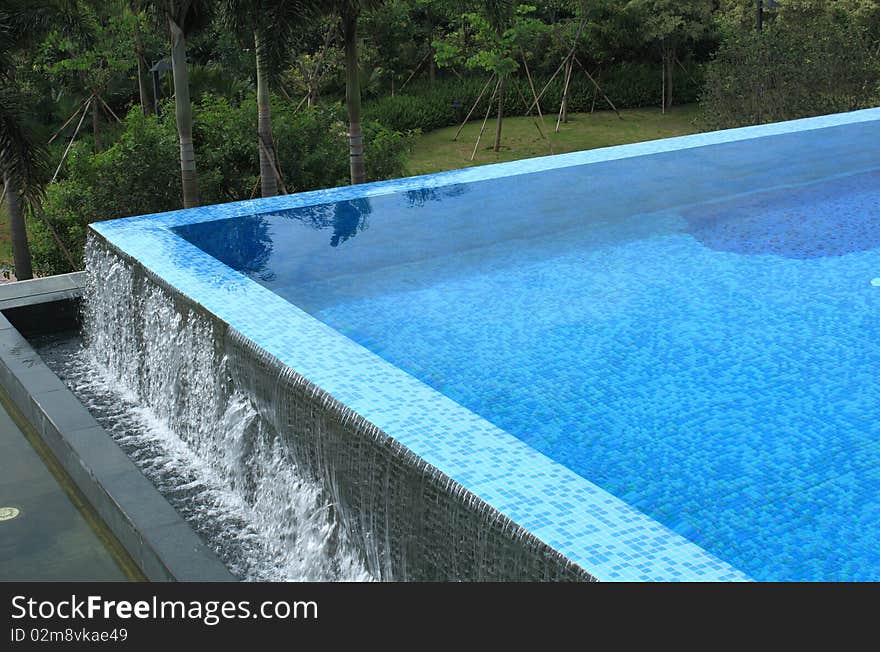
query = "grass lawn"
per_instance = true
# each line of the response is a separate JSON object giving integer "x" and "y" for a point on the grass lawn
{"x": 435, "y": 151}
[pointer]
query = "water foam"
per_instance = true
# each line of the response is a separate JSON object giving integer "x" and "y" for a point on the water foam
{"x": 155, "y": 374}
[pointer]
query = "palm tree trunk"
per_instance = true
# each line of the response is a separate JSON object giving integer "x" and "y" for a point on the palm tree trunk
{"x": 143, "y": 73}
{"x": 268, "y": 179}
{"x": 183, "y": 112}
{"x": 353, "y": 98}
{"x": 21, "y": 253}
{"x": 500, "y": 115}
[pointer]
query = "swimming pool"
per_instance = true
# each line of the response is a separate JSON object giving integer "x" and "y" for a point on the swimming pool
{"x": 659, "y": 359}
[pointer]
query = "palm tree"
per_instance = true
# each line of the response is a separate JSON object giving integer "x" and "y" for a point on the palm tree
{"x": 182, "y": 18}
{"x": 23, "y": 160}
{"x": 23, "y": 165}
{"x": 266, "y": 144}
{"x": 348, "y": 12}
{"x": 274, "y": 26}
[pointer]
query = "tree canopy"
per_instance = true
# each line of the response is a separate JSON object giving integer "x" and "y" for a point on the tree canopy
{"x": 359, "y": 78}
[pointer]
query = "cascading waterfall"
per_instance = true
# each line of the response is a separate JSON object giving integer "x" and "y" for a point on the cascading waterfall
{"x": 196, "y": 435}
{"x": 280, "y": 479}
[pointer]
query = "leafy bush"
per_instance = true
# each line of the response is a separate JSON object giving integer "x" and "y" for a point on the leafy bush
{"x": 445, "y": 103}
{"x": 136, "y": 175}
{"x": 789, "y": 71}
{"x": 311, "y": 145}
{"x": 140, "y": 173}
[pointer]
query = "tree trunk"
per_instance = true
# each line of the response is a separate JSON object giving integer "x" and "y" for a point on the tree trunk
{"x": 183, "y": 113}
{"x": 500, "y": 115}
{"x": 268, "y": 178}
{"x": 143, "y": 73}
{"x": 432, "y": 73}
{"x": 96, "y": 124}
{"x": 21, "y": 253}
{"x": 567, "y": 92}
{"x": 670, "y": 62}
{"x": 663, "y": 81}
{"x": 353, "y": 98}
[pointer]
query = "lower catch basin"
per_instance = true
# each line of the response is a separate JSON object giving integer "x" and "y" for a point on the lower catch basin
{"x": 236, "y": 487}
{"x": 647, "y": 362}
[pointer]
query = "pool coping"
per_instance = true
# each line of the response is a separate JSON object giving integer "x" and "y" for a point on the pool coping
{"x": 160, "y": 542}
{"x": 606, "y": 537}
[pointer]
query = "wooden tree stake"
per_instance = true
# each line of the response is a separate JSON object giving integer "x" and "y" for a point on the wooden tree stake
{"x": 69, "y": 120}
{"x": 486, "y": 119}
{"x": 534, "y": 95}
{"x": 415, "y": 70}
{"x": 534, "y": 122}
{"x": 598, "y": 88}
{"x": 479, "y": 97}
{"x": 107, "y": 107}
{"x": 39, "y": 211}
{"x": 72, "y": 138}
{"x": 569, "y": 67}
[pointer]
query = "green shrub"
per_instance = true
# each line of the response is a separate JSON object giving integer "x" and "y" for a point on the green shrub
{"x": 313, "y": 148}
{"x": 445, "y": 103}
{"x": 140, "y": 173}
{"x": 311, "y": 145}
{"x": 790, "y": 71}
{"x": 136, "y": 175}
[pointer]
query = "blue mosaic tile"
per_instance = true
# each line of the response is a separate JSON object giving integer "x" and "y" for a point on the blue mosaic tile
{"x": 633, "y": 494}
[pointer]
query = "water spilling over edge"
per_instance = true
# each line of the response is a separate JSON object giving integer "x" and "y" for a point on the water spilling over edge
{"x": 156, "y": 376}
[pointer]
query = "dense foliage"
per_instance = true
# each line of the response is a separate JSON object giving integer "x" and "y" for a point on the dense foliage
{"x": 79, "y": 70}
{"x": 446, "y": 102}
{"x": 138, "y": 173}
{"x": 812, "y": 59}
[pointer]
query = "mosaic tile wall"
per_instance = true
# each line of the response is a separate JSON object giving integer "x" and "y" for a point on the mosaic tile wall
{"x": 551, "y": 525}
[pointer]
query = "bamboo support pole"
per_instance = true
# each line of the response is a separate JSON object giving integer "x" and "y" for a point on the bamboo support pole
{"x": 473, "y": 108}
{"x": 598, "y": 88}
{"x": 72, "y": 138}
{"x": 534, "y": 94}
{"x": 415, "y": 70}
{"x": 69, "y": 120}
{"x": 486, "y": 119}
{"x": 562, "y": 107}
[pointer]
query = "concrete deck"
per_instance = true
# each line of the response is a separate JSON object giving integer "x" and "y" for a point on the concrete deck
{"x": 55, "y": 536}
{"x": 41, "y": 290}
{"x": 136, "y": 525}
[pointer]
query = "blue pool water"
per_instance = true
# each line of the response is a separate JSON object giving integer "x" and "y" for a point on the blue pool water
{"x": 713, "y": 364}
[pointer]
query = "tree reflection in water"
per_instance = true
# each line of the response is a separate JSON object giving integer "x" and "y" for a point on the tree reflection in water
{"x": 422, "y": 196}
{"x": 245, "y": 244}
{"x": 346, "y": 218}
